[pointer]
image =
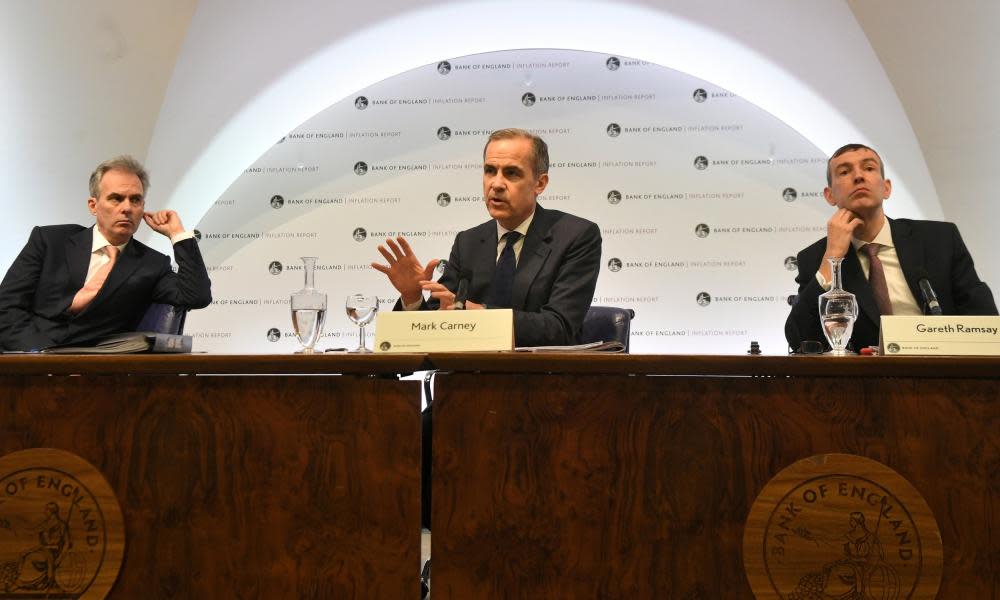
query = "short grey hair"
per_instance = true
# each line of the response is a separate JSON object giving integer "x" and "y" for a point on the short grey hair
{"x": 119, "y": 163}
{"x": 540, "y": 149}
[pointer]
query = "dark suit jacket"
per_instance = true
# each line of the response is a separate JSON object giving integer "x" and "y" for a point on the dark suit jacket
{"x": 932, "y": 246}
{"x": 555, "y": 278}
{"x": 39, "y": 286}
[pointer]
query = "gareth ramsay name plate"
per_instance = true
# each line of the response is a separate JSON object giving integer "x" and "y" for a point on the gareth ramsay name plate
{"x": 930, "y": 336}
{"x": 444, "y": 330}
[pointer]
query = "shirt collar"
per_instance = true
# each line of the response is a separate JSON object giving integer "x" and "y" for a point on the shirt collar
{"x": 100, "y": 241}
{"x": 522, "y": 228}
{"x": 883, "y": 237}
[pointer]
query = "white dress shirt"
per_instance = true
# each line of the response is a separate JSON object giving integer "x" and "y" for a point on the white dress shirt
{"x": 903, "y": 302}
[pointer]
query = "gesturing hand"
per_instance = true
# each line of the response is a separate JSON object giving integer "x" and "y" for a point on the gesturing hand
{"x": 404, "y": 270}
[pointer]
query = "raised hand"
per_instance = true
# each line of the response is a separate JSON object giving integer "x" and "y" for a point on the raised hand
{"x": 405, "y": 272}
{"x": 165, "y": 222}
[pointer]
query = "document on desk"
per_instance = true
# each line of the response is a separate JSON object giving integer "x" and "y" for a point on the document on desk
{"x": 609, "y": 347}
{"x": 445, "y": 331}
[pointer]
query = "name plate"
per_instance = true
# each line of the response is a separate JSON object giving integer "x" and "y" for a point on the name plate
{"x": 934, "y": 336}
{"x": 444, "y": 330}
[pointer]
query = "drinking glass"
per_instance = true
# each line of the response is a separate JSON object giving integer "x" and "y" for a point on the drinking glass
{"x": 308, "y": 309}
{"x": 838, "y": 310}
{"x": 361, "y": 310}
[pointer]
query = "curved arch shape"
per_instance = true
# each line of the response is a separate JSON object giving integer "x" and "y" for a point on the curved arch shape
{"x": 199, "y": 162}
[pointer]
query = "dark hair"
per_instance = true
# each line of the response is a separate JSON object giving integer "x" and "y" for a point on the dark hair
{"x": 540, "y": 162}
{"x": 851, "y": 148}
{"x": 119, "y": 163}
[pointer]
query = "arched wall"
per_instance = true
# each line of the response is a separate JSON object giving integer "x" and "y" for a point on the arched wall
{"x": 255, "y": 72}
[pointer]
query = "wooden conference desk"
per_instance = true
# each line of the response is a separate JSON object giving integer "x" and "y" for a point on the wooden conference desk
{"x": 593, "y": 477}
{"x": 555, "y": 476}
{"x": 266, "y": 484}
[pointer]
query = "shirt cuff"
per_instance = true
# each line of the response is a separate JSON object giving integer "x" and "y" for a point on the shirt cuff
{"x": 415, "y": 306}
{"x": 823, "y": 283}
{"x": 180, "y": 237}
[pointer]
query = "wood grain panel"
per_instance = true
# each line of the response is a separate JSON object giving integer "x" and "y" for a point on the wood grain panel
{"x": 242, "y": 487}
{"x": 573, "y": 486}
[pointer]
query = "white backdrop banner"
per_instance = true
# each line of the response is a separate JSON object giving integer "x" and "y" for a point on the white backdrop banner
{"x": 703, "y": 199}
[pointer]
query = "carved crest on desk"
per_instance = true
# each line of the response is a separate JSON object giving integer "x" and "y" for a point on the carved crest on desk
{"x": 61, "y": 530}
{"x": 841, "y": 526}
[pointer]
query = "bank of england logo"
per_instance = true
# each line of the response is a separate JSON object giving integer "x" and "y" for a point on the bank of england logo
{"x": 197, "y": 235}
{"x": 61, "y": 529}
{"x": 359, "y": 234}
{"x": 614, "y": 197}
{"x": 700, "y": 95}
{"x": 791, "y": 263}
{"x": 789, "y": 194}
{"x": 613, "y": 63}
{"x": 277, "y": 201}
{"x": 360, "y": 167}
{"x": 615, "y": 265}
{"x": 444, "y": 133}
{"x": 893, "y": 348}
{"x": 702, "y": 230}
{"x": 528, "y": 99}
{"x": 613, "y": 130}
{"x": 444, "y": 67}
{"x": 384, "y": 346}
{"x": 701, "y": 163}
{"x": 441, "y": 266}
{"x": 361, "y": 103}
{"x": 281, "y": 141}
{"x": 841, "y": 526}
{"x": 274, "y": 268}
{"x": 444, "y": 199}
{"x": 273, "y": 334}
{"x": 703, "y": 299}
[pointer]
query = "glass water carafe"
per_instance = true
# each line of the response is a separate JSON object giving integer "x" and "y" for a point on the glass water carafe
{"x": 838, "y": 310}
{"x": 308, "y": 309}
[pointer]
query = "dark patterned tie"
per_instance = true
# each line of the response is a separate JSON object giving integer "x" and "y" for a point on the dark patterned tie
{"x": 503, "y": 277}
{"x": 876, "y": 279}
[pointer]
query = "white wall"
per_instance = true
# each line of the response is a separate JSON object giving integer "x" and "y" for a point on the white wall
{"x": 82, "y": 81}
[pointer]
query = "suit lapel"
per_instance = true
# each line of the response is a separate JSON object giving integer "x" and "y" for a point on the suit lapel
{"x": 128, "y": 261}
{"x": 78, "y": 250}
{"x": 856, "y": 283}
{"x": 485, "y": 261}
{"x": 534, "y": 253}
{"x": 910, "y": 252}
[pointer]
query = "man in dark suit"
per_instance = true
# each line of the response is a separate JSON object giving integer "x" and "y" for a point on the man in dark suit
{"x": 72, "y": 284}
{"x": 904, "y": 251}
{"x": 556, "y": 256}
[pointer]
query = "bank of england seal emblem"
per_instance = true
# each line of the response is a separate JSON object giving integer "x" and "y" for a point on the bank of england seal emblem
{"x": 841, "y": 526}
{"x": 61, "y": 529}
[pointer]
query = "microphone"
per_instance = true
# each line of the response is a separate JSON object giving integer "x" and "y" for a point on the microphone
{"x": 463, "y": 290}
{"x": 930, "y": 298}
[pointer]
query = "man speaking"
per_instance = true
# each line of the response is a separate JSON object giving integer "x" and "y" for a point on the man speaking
{"x": 541, "y": 263}
{"x": 886, "y": 261}
{"x": 72, "y": 284}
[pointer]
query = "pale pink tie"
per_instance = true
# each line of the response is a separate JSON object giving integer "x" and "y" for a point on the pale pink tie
{"x": 90, "y": 289}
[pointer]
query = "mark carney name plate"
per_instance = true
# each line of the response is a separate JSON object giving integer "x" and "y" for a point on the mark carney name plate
{"x": 444, "y": 331}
